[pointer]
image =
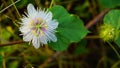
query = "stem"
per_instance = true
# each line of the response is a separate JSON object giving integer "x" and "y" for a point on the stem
{"x": 60, "y": 62}
{"x": 92, "y": 37}
{"x": 51, "y": 3}
{"x": 15, "y": 24}
{"x": 8, "y": 6}
{"x": 96, "y": 19}
{"x": 115, "y": 65}
{"x": 3, "y": 60}
{"x": 98, "y": 64}
{"x": 114, "y": 49}
{"x": 11, "y": 43}
{"x": 16, "y": 8}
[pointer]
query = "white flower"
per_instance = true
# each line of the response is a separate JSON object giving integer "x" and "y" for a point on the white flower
{"x": 37, "y": 26}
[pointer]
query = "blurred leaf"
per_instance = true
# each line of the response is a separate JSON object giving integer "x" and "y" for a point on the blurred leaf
{"x": 110, "y": 3}
{"x": 5, "y": 34}
{"x": 13, "y": 64}
{"x": 7, "y": 49}
{"x": 21, "y": 3}
{"x": 70, "y": 29}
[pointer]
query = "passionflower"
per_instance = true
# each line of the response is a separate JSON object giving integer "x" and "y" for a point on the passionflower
{"x": 107, "y": 32}
{"x": 38, "y": 27}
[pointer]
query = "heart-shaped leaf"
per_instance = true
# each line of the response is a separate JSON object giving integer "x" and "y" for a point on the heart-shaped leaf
{"x": 70, "y": 29}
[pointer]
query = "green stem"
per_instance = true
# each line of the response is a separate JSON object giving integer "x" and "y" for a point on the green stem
{"x": 16, "y": 8}
{"x": 3, "y": 60}
{"x": 9, "y": 6}
{"x": 116, "y": 64}
{"x": 51, "y": 3}
{"x": 114, "y": 49}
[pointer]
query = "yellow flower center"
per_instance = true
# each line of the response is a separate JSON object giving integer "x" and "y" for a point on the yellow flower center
{"x": 38, "y": 26}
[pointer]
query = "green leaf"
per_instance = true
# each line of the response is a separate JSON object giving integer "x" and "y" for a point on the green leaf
{"x": 61, "y": 44}
{"x": 70, "y": 29}
{"x": 118, "y": 41}
{"x": 58, "y": 12}
{"x": 113, "y": 18}
{"x": 109, "y": 3}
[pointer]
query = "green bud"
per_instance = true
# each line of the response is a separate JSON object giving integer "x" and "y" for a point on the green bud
{"x": 107, "y": 32}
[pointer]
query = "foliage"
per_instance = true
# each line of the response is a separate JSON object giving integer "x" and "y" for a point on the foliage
{"x": 110, "y": 3}
{"x": 67, "y": 34}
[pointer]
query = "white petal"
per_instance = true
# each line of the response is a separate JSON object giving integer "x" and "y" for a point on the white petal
{"x": 24, "y": 29}
{"x": 28, "y": 37}
{"x": 43, "y": 39}
{"x": 51, "y": 36}
{"x": 36, "y": 42}
{"x": 52, "y": 25}
{"x": 48, "y": 16}
{"x": 31, "y": 9}
{"x": 26, "y": 21}
{"x": 45, "y": 15}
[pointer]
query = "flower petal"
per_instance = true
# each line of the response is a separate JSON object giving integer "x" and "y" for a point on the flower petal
{"x": 47, "y": 15}
{"x": 52, "y": 25}
{"x": 36, "y": 42}
{"x": 51, "y": 36}
{"x": 43, "y": 39}
{"x": 24, "y": 29}
{"x": 31, "y": 10}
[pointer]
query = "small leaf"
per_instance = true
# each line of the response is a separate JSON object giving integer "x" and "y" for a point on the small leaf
{"x": 70, "y": 29}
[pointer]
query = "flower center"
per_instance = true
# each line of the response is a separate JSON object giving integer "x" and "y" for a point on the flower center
{"x": 38, "y": 26}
